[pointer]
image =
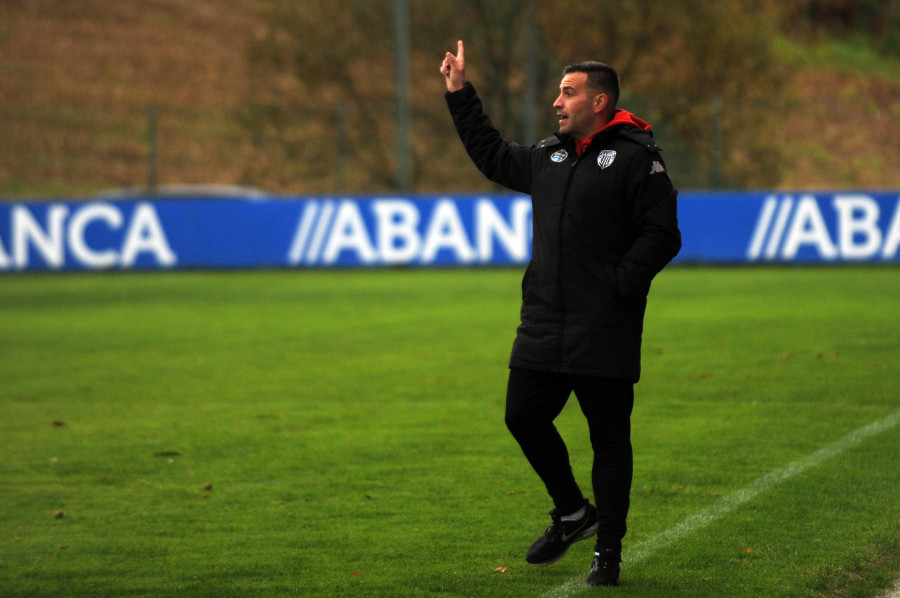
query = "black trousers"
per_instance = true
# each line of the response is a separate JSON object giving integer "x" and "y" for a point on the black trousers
{"x": 533, "y": 401}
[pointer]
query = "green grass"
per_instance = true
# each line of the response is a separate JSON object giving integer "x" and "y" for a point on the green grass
{"x": 351, "y": 427}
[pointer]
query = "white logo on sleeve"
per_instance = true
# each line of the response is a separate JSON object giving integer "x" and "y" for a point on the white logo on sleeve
{"x": 605, "y": 158}
{"x": 559, "y": 156}
{"x": 657, "y": 167}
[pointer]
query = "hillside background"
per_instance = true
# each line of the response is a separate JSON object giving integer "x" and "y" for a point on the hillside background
{"x": 299, "y": 97}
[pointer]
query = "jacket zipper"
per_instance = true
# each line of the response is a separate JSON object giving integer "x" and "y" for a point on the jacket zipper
{"x": 559, "y": 266}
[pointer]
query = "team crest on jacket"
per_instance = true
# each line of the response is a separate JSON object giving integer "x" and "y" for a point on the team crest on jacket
{"x": 605, "y": 158}
{"x": 559, "y": 156}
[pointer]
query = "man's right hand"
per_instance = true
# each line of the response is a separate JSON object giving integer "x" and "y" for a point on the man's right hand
{"x": 454, "y": 68}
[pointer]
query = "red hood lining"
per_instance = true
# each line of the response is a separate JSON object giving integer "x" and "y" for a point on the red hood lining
{"x": 620, "y": 117}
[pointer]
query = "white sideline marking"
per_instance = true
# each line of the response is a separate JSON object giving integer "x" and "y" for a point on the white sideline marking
{"x": 895, "y": 592}
{"x": 731, "y": 502}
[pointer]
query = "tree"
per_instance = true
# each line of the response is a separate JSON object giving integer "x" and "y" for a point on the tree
{"x": 678, "y": 60}
{"x": 323, "y": 85}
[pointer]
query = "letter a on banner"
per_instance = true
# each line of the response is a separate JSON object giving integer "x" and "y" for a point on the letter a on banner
{"x": 348, "y": 233}
{"x": 447, "y": 231}
{"x": 808, "y": 228}
{"x": 146, "y": 234}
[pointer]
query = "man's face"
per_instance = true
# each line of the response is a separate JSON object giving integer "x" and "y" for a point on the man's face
{"x": 575, "y": 107}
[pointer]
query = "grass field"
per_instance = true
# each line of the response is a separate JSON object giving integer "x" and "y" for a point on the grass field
{"x": 337, "y": 434}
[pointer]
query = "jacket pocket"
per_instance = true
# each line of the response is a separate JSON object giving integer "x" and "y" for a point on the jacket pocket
{"x": 612, "y": 281}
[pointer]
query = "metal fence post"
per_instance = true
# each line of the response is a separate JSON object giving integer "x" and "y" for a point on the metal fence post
{"x": 152, "y": 156}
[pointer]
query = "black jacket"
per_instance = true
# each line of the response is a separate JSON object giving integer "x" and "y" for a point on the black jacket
{"x": 604, "y": 225}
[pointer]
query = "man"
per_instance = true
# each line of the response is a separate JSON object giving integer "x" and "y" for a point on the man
{"x": 604, "y": 220}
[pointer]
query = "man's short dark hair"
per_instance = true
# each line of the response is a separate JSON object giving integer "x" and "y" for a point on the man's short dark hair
{"x": 601, "y": 77}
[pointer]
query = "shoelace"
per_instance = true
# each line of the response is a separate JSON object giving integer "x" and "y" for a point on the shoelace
{"x": 602, "y": 562}
{"x": 600, "y": 565}
{"x": 556, "y": 529}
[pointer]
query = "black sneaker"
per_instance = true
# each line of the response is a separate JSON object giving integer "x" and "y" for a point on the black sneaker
{"x": 604, "y": 568}
{"x": 553, "y": 545}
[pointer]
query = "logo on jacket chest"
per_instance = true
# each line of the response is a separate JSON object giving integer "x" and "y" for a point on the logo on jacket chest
{"x": 605, "y": 158}
{"x": 559, "y": 156}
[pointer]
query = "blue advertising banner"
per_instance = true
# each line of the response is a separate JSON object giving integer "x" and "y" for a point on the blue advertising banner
{"x": 298, "y": 232}
{"x": 789, "y": 227}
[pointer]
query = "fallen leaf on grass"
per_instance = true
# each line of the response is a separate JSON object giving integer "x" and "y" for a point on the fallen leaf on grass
{"x": 63, "y": 546}
{"x": 208, "y": 486}
{"x": 500, "y": 569}
{"x": 748, "y": 550}
{"x": 58, "y": 423}
{"x": 355, "y": 574}
{"x": 59, "y": 514}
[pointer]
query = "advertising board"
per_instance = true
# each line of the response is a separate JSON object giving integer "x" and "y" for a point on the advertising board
{"x": 433, "y": 230}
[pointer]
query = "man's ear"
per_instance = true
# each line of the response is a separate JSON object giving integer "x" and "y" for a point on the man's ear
{"x": 600, "y": 102}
